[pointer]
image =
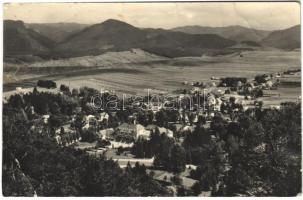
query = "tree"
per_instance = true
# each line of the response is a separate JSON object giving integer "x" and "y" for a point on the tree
{"x": 55, "y": 121}
{"x": 46, "y": 84}
{"x": 142, "y": 148}
{"x": 258, "y": 93}
{"x": 177, "y": 159}
{"x": 218, "y": 126}
{"x": 88, "y": 135}
{"x": 150, "y": 116}
{"x": 142, "y": 119}
{"x": 34, "y": 163}
{"x": 65, "y": 89}
{"x": 16, "y": 183}
{"x": 198, "y": 138}
{"x": 161, "y": 118}
{"x": 16, "y": 101}
{"x": 54, "y": 108}
{"x": 78, "y": 122}
{"x": 163, "y": 151}
{"x": 35, "y": 91}
{"x": 201, "y": 121}
{"x": 197, "y": 188}
{"x": 260, "y": 78}
{"x": 75, "y": 92}
{"x": 44, "y": 109}
{"x": 237, "y": 181}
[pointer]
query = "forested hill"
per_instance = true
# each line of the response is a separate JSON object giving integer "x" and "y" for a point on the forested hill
{"x": 20, "y": 40}
{"x": 109, "y": 36}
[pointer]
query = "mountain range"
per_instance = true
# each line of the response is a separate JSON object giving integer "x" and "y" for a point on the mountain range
{"x": 56, "y": 31}
{"x": 19, "y": 40}
{"x": 72, "y": 39}
{"x": 114, "y": 35}
{"x": 236, "y": 33}
{"x": 287, "y": 39}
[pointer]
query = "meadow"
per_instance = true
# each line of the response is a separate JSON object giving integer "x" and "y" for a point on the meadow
{"x": 165, "y": 76}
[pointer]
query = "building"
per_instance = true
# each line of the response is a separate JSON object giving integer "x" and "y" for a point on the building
{"x": 103, "y": 119}
{"x": 106, "y": 134}
{"x": 134, "y": 130}
{"x": 45, "y": 118}
{"x": 143, "y": 133}
{"x": 21, "y": 91}
{"x": 177, "y": 127}
{"x": 65, "y": 135}
{"x": 104, "y": 116}
{"x": 162, "y": 130}
{"x": 127, "y": 128}
{"x": 188, "y": 128}
{"x": 217, "y": 106}
{"x": 211, "y": 100}
{"x": 30, "y": 109}
{"x": 90, "y": 121}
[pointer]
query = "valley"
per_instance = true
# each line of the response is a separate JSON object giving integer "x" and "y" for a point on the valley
{"x": 149, "y": 99}
{"x": 133, "y": 76}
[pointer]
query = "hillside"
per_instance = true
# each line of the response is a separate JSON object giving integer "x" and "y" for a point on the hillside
{"x": 177, "y": 44}
{"x": 28, "y": 43}
{"x": 248, "y": 46}
{"x": 107, "y": 59}
{"x": 287, "y": 39}
{"x": 56, "y": 31}
{"x": 19, "y": 40}
{"x": 111, "y": 35}
{"x": 114, "y": 35}
{"x": 236, "y": 33}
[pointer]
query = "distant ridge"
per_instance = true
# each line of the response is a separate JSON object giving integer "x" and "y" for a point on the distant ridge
{"x": 287, "y": 39}
{"x": 236, "y": 33}
{"x": 74, "y": 40}
{"x": 115, "y": 35}
{"x": 19, "y": 40}
{"x": 56, "y": 31}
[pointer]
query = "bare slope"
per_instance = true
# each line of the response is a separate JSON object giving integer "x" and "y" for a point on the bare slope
{"x": 107, "y": 59}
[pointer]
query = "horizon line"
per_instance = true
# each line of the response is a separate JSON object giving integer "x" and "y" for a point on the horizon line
{"x": 192, "y": 25}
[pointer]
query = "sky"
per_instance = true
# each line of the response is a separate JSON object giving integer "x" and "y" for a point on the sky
{"x": 265, "y": 15}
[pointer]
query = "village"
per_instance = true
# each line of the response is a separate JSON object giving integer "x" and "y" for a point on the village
{"x": 102, "y": 132}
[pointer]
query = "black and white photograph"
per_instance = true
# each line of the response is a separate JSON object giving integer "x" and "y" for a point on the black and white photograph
{"x": 144, "y": 99}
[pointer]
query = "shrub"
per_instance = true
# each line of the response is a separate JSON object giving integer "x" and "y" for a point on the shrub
{"x": 46, "y": 84}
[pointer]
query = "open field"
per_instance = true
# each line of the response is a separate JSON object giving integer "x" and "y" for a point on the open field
{"x": 167, "y": 75}
{"x": 288, "y": 90}
{"x": 283, "y": 94}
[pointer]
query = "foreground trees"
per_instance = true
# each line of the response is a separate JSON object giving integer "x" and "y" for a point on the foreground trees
{"x": 258, "y": 154}
{"x": 33, "y": 164}
{"x": 268, "y": 161}
{"x": 47, "y": 170}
